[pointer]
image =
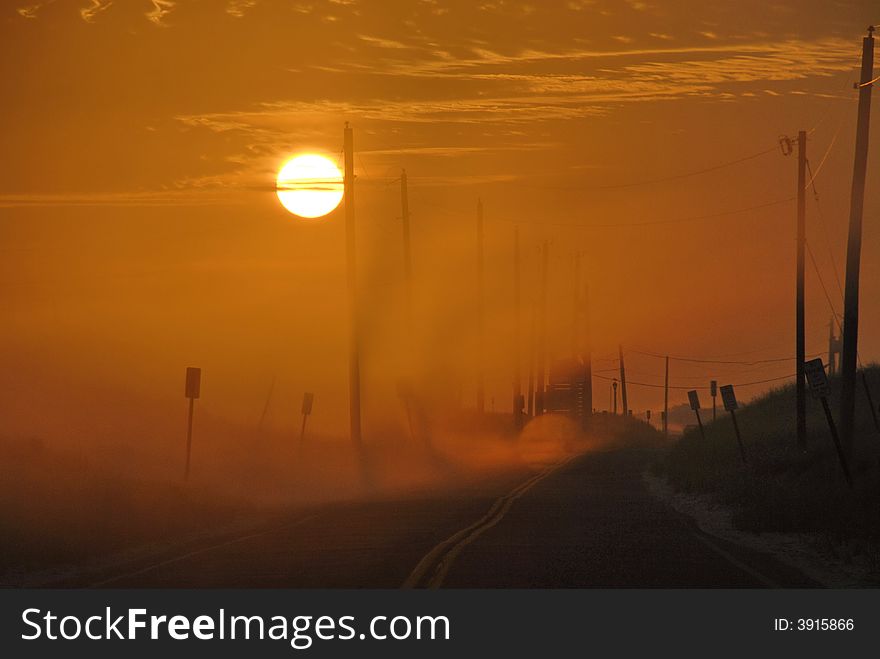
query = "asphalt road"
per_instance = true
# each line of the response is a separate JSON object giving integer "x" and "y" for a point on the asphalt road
{"x": 587, "y": 522}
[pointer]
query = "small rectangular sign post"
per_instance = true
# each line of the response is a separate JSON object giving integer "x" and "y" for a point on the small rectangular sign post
{"x": 713, "y": 391}
{"x": 818, "y": 383}
{"x": 816, "y": 378}
{"x": 192, "y": 390}
{"x": 694, "y": 400}
{"x": 308, "y": 399}
{"x": 728, "y": 398}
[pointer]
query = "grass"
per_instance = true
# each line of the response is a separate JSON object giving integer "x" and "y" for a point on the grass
{"x": 782, "y": 488}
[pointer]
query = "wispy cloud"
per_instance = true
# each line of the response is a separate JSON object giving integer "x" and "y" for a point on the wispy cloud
{"x": 161, "y": 8}
{"x": 31, "y": 11}
{"x": 95, "y": 7}
{"x": 238, "y": 8}
{"x": 383, "y": 43}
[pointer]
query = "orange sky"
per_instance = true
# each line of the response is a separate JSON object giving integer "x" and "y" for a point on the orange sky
{"x": 140, "y": 232}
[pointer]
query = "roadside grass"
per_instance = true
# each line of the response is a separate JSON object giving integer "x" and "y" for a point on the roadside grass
{"x": 782, "y": 488}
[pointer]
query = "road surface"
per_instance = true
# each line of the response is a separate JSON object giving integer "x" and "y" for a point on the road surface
{"x": 588, "y": 521}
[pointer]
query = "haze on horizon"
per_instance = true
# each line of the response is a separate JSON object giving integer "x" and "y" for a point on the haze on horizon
{"x": 140, "y": 232}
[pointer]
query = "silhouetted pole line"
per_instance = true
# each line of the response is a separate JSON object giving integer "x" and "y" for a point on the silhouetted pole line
{"x": 849, "y": 357}
{"x": 800, "y": 314}
{"x": 623, "y": 398}
{"x": 407, "y": 251}
{"x": 481, "y": 321}
{"x": 666, "y": 400}
{"x": 517, "y": 333}
{"x": 542, "y": 332}
{"x": 354, "y": 373}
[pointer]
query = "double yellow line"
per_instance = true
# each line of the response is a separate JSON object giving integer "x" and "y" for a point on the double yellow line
{"x": 435, "y": 565}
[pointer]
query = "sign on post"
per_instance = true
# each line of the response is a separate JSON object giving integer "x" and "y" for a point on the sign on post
{"x": 192, "y": 390}
{"x": 193, "y": 382}
{"x": 694, "y": 400}
{"x": 817, "y": 379}
{"x": 729, "y": 398}
{"x": 818, "y": 382}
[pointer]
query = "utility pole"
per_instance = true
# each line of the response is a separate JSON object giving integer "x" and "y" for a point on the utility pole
{"x": 666, "y": 400}
{"x": 532, "y": 349}
{"x": 614, "y": 395}
{"x": 481, "y": 385}
{"x": 622, "y": 381}
{"x": 801, "y": 342}
{"x": 407, "y": 250}
{"x": 354, "y": 371}
{"x": 848, "y": 360}
{"x": 834, "y": 344}
{"x": 517, "y": 334}
{"x": 588, "y": 360}
{"x": 542, "y": 333}
{"x": 576, "y": 307}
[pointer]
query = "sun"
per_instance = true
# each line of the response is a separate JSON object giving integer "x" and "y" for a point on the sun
{"x": 309, "y": 185}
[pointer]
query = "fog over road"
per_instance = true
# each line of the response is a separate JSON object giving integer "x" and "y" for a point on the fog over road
{"x": 587, "y": 521}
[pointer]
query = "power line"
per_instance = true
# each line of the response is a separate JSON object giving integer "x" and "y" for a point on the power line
{"x": 692, "y": 218}
{"x": 735, "y": 384}
{"x": 716, "y": 361}
{"x": 633, "y": 184}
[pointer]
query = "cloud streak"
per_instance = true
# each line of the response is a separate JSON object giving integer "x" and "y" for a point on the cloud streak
{"x": 161, "y": 8}
{"x": 95, "y": 7}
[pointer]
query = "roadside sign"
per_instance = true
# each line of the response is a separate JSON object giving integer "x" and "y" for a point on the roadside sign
{"x": 308, "y": 399}
{"x": 816, "y": 378}
{"x": 729, "y": 398}
{"x": 694, "y": 400}
{"x": 713, "y": 388}
{"x": 818, "y": 381}
{"x": 193, "y": 382}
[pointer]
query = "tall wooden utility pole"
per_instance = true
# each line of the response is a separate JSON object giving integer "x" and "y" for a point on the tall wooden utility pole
{"x": 666, "y": 400}
{"x": 517, "y": 334}
{"x": 407, "y": 251}
{"x": 530, "y": 402}
{"x": 622, "y": 381}
{"x": 576, "y": 308}
{"x": 354, "y": 370}
{"x": 481, "y": 378}
{"x": 848, "y": 360}
{"x": 801, "y": 342}
{"x": 542, "y": 333}
{"x": 587, "y": 356}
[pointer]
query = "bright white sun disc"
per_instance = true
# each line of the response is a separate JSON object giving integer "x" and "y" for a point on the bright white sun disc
{"x": 309, "y": 186}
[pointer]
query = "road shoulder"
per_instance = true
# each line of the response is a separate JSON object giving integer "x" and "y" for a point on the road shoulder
{"x": 806, "y": 553}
